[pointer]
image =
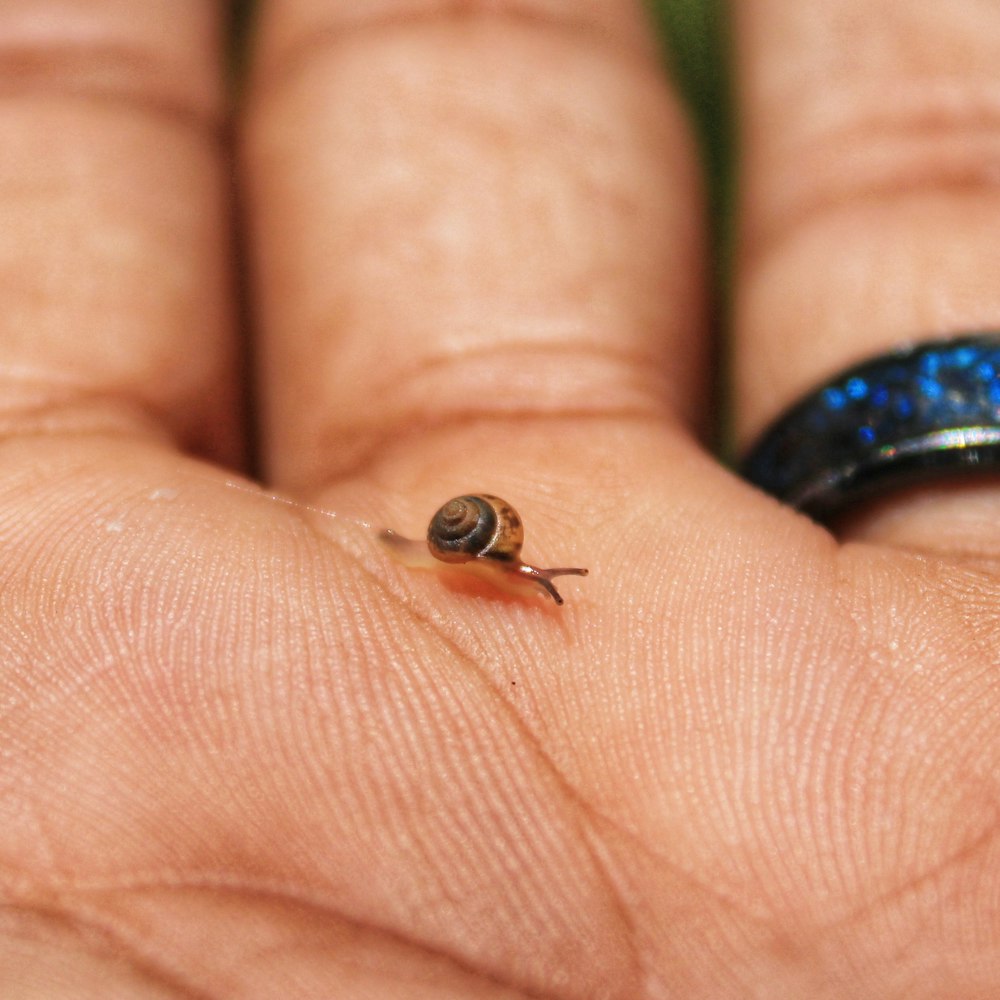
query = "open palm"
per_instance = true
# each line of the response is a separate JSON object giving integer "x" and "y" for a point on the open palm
{"x": 243, "y": 753}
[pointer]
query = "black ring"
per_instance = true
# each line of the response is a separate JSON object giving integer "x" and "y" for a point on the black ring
{"x": 906, "y": 417}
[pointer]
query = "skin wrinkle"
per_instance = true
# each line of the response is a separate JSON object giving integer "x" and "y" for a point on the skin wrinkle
{"x": 937, "y": 150}
{"x": 766, "y": 924}
{"x": 642, "y": 366}
{"x": 254, "y": 888}
{"x": 986, "y": 573}
{"x": 368, "y": 453}
{"x": 248, "y": 889}
{"x": 119, "y": 946}
{"x": 587, "y": 830}
{"x": 978, "y": 844}
{"x": 98, "y": 412}
{"x": 296, "y": 55}
{"x": 630, "y": 375}
{"x": 980, "y": 566}
{"x": 846, "y": 599}
{"x": 106, "y": 75}
{"x": 761, "y": 243}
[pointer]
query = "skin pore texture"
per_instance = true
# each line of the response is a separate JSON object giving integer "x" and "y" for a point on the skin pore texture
{"x": 246, "y": 754}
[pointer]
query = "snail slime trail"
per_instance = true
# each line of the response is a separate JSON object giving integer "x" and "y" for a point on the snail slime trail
{"x": 289, "y": 502}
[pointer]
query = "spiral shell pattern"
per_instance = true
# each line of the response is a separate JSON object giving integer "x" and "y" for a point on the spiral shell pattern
{"x": 475, "y": 527}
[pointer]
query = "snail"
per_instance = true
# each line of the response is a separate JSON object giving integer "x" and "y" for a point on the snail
{"x": 482, "y": 534}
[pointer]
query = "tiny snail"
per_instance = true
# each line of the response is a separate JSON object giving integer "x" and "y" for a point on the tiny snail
{"x": 483, "y": 534}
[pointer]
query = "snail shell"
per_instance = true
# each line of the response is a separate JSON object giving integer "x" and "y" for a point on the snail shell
{"x": 475, "y": 527}
{"x": 483, "y": 535}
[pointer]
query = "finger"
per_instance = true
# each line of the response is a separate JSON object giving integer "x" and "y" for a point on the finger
{"x": 467, "y": 225}
{"x": 112, "y": 247}
{"x": 868, "y": 219}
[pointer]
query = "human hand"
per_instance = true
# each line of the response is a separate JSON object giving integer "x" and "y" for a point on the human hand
{"x": 244, "y": 753}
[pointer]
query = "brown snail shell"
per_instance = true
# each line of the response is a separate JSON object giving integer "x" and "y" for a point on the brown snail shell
{"x": 481, "y": 532}
{"x": 475, "y": 527}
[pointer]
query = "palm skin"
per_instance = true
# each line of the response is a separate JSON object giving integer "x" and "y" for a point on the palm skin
{"x": 246, "y": 754}
{"x": 311, "y": 767}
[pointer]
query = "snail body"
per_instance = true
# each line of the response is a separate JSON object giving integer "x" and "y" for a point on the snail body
{"x": 483, "y": 533}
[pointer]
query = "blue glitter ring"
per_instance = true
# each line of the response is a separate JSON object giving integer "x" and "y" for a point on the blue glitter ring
{"x": 915, "y": 414}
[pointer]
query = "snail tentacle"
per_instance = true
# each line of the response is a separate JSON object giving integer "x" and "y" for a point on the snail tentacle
{"x": 543, "y": 577}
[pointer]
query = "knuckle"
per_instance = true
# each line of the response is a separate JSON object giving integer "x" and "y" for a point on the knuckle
{"x": 162, "y": 64}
